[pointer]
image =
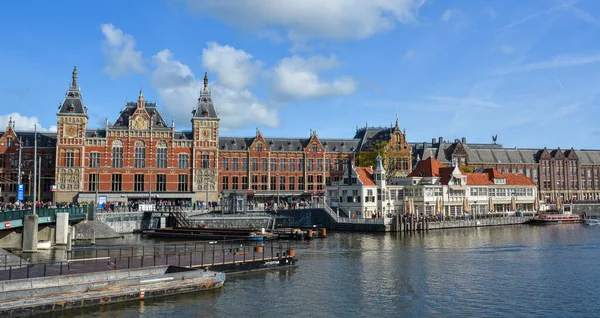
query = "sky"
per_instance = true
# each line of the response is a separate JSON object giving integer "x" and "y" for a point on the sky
{"x": 526, "y": 71}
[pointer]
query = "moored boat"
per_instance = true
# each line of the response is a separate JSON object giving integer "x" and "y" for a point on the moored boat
{"x": 555, "y": 219}
{"x": 592, "y": 222}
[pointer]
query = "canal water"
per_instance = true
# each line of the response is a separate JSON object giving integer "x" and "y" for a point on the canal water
{"x": 515, "y": 271}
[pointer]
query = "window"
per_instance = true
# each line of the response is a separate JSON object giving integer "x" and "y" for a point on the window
{"x": 273, "y": 164}
{"x": 14, "y": 160}
{"x": 225, "y": 184}
{"x": 263, "y": 182}
{"x": 282, "y": 164}
{"x": 116, "y": 182}
{"x": 300, "y": 183}
{"x": 139, "y": 155}
{"x": 281, "y": 183}
{"x": 161, "y": 182}
{"x": 93, "y": 182}
{"x": 117, "y": 154}
{"x": 292, "y": 164}
{"x": 292, "y": 183}
{"x": 273, "y": 183}
{"x": 161, "y": 155}
{"x": 182, "y": 183}
{"x": 310, "y": 182}
{"x": 94, "y": 160}
{"x": 183, "y": 161}
{"x": 314, "y": 148}
{"x": 319, "y": 182}
{"x": 138, "y": 183}
{"x": 69, "y": 158}
{"x": 254, "y": 182}
{"x": 244, "y": 164}
{"x": 319, "y": 164}
{"x": 234, "y": 164}
{"x": 205, "y": 160}
{"x": 259, "y": 147}
{"x": 254, "y": 164}
{"x": 2, "y": 160}
{"x": 48, "y": 161}
{"x": 310, "y": 165}
{"x": 327, "y": 164}
{"x": 225, "y": 164}
{"x": 264, "y": 164}
{"x": 234, "y": 183}
{"x": 300, "y": 164}
{"x": 244, "y": 183}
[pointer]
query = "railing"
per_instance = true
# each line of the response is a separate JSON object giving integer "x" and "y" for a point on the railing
{"x": 189, "y": 255}
{"x": 74, "y": 213}
{"x": 339, "y": 219}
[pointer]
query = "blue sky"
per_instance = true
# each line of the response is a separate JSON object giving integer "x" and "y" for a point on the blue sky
{"x": 524, "y": 70}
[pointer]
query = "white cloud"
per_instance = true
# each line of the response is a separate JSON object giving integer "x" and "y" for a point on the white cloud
{"x": 507, "y": 49}
{"x": 310, "y": 19}
{"x": 298, "y": 78}
{"x": 119, "y": 49}
{"x": 469, "y": 102}
{"x": 409, "y": 54}
{"x": 235, "y": 68}
{"x": 449, "y": 14}
{"x": 24, "y": 123}
{"x": 556, "y": 62}
{"x": 179, "y": 88}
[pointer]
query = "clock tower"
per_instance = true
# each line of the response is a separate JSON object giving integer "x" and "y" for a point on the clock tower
{"x": 70, "y": 143}
{"x": 205, "y": 124}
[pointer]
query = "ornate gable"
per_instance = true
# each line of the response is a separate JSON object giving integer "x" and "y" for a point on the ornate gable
{"x": 558, "y": 154}
{"x": 259, "y": 144}
{"x": 140, "y": 119}
{"x": 459, "y": 149}
{"x": 9, "y": 138}
{"x": 314, "y": 144}
{"x": 572, "y": 155}
{"x": 545, "y": 155}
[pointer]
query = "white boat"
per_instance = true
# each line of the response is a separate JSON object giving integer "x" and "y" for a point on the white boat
{"x": 592, "y": 222}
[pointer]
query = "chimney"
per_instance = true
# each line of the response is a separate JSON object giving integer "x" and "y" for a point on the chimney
{"x": 456, "y": 140}
{"x": 464, "y": 140}
{"x": 441, "y": 140}
{"x": 432, "y": 141}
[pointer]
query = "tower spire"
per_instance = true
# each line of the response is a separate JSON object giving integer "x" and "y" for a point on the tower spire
{"x": 141, "y": 98}
{"x": 205, "y": 82}
{"x": 74, "y": 84}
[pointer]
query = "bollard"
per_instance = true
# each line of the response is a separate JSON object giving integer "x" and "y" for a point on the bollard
{"x": 291, "y": 252}
{"x": 258, "y": 249}
{"x": 309, "y": 234}
{"x": 323, "y": 232}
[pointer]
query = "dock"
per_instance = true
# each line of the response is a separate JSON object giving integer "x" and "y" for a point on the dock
{"x": 223, "y": 256}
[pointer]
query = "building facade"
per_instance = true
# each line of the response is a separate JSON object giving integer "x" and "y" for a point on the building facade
{"x": 432, "y": 189}
{"x": 141, "y": 157}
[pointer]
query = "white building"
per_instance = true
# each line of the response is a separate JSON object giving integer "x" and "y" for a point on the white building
{"x": 432, "y": 189}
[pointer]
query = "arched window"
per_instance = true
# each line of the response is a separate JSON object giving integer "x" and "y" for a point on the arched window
{"x": 161, "y": 154}
{"x": 117, "y": 154}
{"x": 139, "y": 155}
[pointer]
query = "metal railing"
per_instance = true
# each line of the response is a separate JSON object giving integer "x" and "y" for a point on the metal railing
{"x": 74, "y": 213}
{"x": 186, "y": 255}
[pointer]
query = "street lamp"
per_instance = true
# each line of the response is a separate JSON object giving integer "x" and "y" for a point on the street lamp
{"x": 476, "y": 208}
{"x": 277, "y": 185}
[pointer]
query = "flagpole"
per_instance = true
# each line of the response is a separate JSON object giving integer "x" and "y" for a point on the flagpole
{"x": 34, "y": 167}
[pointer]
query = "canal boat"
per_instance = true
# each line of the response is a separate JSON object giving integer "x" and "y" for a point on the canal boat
{"x": 592, "y": 222}
{"x": 211, "y": 234}
{"x": 555, "y": 219}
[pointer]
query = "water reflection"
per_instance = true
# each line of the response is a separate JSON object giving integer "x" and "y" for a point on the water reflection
{"x": 496, "y": 271}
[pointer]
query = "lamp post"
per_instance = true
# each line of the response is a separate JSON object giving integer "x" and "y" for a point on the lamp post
{"x": 34, "y": 166}
{"x": 277, "y": 185}
{"x": 426, "y": 208}
{"x": 476, "y": 208}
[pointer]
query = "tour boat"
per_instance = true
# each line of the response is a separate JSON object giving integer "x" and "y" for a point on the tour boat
{"x": 555, "y": 219}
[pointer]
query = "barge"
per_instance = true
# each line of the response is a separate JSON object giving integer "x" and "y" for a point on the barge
{"x": 210, "y": 234}
{"x": 45, "y": 294}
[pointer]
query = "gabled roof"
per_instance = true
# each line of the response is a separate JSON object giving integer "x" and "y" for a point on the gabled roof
{"x": 288, "y": 144}
{"x": 129, "y": 110}
{"x": 488, "y": 175}
{"x": 429, "y": 167}
{"x": 365, "y": 175}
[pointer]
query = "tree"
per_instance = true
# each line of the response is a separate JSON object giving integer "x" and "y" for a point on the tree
{"x": 466, "y": 169}
{"x": 369, "y": 158}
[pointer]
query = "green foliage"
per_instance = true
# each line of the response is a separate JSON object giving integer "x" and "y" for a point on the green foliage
{"x": 369, "y": 158}
{"x": 466, "y": 169}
